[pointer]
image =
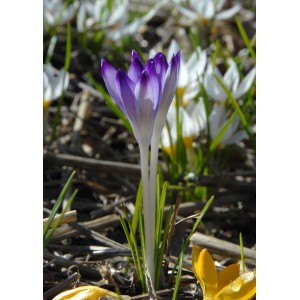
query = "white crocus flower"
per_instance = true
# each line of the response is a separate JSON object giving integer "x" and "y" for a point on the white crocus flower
{"x": 57, "y": 13}
{"x": 190, "y": 73}
{"x": 53, "y": 83}
{"x": 99, "y": 12}
{"x": 197, "y": 113}
{"x": 231, "y": 80}
{"x": 207, "y": 9}
{"x": 217, "y": 120}
{"x": 193, "y": 121}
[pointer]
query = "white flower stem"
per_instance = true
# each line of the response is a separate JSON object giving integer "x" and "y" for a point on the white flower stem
{"x": 147, "y": 212}
{"x": 152, "y": 183}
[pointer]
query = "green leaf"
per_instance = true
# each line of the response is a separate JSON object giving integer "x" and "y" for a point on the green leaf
{"x": 242, "y": 253}
{"x": 245, "y": 37}
{"x": 57, "y": 204}
{"x": 56, "y": 224}
{"x": 224, "y": 128}
{"x": 178, "y": 277}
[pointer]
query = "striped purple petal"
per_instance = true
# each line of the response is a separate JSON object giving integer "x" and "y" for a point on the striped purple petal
{"x": 169, "y": 87}
{"x": 136, "y": 67}
{"x": 145, "y": 111}
{"x": 161, "y": 65}
{"x": 109, "y": 76}
{"x": 125, "y": 91}
{"x": 155, "y": 83}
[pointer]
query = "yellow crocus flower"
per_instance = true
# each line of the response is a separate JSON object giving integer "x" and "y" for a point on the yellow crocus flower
{"x": 228, "y": 284}
{"x": 87, "y": 292}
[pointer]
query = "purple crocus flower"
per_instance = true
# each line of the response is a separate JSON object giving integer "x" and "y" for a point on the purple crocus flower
{"x": 145, "y": 92}
{"x": 144, "y": 95}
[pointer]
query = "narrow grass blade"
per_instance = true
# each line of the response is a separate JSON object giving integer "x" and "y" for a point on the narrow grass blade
{"x": 178, "y": 277}
{"x": 159, "y": 216}
{"x": 161, "y": 253}
{"x": 132, "y": 248}
{"x": 138, "y": 207}
{"x": 143, "y": 248}
{"x": 56, "y": 224}
{"x": 207, "y": 205}
{"x": 242, "y": 253}
{"x": 58, "y": 204}
{"x": 245, "y": 37}
{"x": 217, "y": 139}
{"x": 133, "y": 244}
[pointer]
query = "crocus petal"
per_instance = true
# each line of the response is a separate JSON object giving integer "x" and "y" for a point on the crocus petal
{"x": 145, "y": 111}
{"x": 53, "y": 82}
{"x": 46, "y": 87}
{"x": 161, "y": 65}
{"x": 188, "y": 129}
{"x": 242, "y": 288}
{"x": 197, "y": 112}
{"x": 208, "y": 11}
{"x": 205, "y": 270}
{"x": 85, "y": 293}
{"x": 211, "y": 85}
{"x": 61, "y": 84}
{"x": 81, "y": 17}
{"x": 228, "y": 13}
{"x": 227, "y": 275}
{"x": 155, "y": 83}
{"x": 245, "y": 84}
{"x": 169, "y": 87}
{"x": 216, "y": 119}
{"x": 196, "y": 64}
{"x": 190, "y": 92}
{"x": 109, "y": 75}
{"x": 136, "y": 67}
{"x": 238, "y": 136}
{"x": 173, "y": 48}
{"x": 183, "y": 76}
{"x": 231, "y": 76}
{"x": 125, "y": 92}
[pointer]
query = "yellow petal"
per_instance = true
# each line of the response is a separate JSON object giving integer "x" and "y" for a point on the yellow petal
{"x": 227, "y": 275}
{"x": 242, "y": 288}
{"x": 85, "y": 293}
{"x": 205, "y": 270}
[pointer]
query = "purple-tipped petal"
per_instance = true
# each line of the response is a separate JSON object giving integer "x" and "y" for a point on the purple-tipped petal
{"x": 156, "y": 84}
{"x": 171, "y": 80}
{"x": 145, "y": 111}
{"x": 109, "y": 75}
{"x": 136, "y": 67}
{"x": 161, "y": 65}
{"x": 125, "y": 88}
{"x": 168, "y": 92}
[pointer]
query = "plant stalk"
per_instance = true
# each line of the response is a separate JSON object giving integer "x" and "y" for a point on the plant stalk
{"x": 147, "y": 212}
